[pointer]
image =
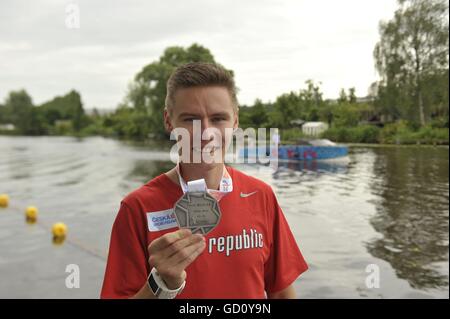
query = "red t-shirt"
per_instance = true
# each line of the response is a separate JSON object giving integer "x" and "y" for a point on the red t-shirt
{"x": 250, "y": 252}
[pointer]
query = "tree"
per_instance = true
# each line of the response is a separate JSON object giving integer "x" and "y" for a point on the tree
{"x": 413, "y": 47}
{"x": 286, "y": 108}
{"x": 342, "y": 97}
{"x": 310, "y": 101}
{"x": 346, "y": 115}
{"x": 147, "y": 92}
{"x": 67, "y": 107}
{"x": 326, "y": 113}
{"x": 5, "y": 114}
{"x": 351, "y": 95}
{"x": 77, "y": 111}
{"x": 20, "y": 107}
{"x": 258, "y": 114}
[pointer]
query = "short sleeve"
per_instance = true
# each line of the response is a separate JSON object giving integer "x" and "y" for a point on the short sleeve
{"x": 127, "y": 266}
{"x": 285, "y": 262}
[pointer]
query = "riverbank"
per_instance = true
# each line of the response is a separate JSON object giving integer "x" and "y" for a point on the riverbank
{"x": 400, "y": 133}
{"x": 379, "y": 145}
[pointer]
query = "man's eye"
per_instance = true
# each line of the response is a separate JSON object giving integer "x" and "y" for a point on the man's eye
{"x": 189, "y": 119}
{"x": 218, "y": 119}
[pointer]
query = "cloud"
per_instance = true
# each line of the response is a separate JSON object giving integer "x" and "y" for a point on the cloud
{"x": 273, "y": 46}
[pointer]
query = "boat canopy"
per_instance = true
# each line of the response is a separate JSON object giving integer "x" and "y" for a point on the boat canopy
{"x": 318, "y": 142}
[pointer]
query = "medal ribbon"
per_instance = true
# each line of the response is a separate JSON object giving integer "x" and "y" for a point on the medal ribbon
{"x": 226, "y": 185}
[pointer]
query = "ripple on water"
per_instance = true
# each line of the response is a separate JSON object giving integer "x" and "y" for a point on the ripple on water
{"x": 387, "y": 206}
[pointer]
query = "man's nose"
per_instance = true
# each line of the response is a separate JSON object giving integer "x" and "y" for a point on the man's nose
{"x": 206, "y": 124}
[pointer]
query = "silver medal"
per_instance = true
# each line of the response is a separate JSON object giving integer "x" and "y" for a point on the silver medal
{"x": 198, "y": 211}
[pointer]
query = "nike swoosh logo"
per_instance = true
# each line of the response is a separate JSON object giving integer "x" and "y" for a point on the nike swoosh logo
{"x": 243, "y": 195}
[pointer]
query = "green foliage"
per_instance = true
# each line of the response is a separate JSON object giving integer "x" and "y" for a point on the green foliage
{"x": 292, "y": 135}
{"x": 147, "y": 93}
{"x": 359, "y": 134}
{"x": 412, "y": 59}
{"x": 430, "y": 135}
{"x": 133, "y": 124}
{"x": 255, "y": 116}
{"x": 346, "y": 115}
{"x": 307, "y": 105}
{"x": 441, "y": 122}
{"x": 62, "y": 127}
{"x": 287, "y": 107}
{"x": 351, "y": 95}
{"x": 400, "y": 96}
{"x": 60, "y": 116}
{"x": 342, "y": 97}
{"x": 310, "y": 101}
{"x": 67, "y": 107}
{"x": 326, "y": 113}
{"x": 403, "y": 132}
{"x": 258, "y": 115}
{"x": 18, "y": 110}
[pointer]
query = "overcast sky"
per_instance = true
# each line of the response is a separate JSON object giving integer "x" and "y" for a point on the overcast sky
{"x": 272, "y": 46}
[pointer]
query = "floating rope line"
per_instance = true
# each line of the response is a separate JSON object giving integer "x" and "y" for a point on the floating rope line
{"x": 73, "y": 241}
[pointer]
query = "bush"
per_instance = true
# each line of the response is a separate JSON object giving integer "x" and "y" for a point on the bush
{"x": 291, "y": 135}
{"x": 62, "y": 127}
{"x": 95, "y": 129}
{"x": 441, "y": 122}
{"x": 396, "y": 133}
{"x": 430, "y": 135}
{"x": 359, "y": 134}
{"x": 346, "y": 115}
{"x": 337, "y": 134}
{"x": 366, "y": 134}
{"x": 402, "y": 132}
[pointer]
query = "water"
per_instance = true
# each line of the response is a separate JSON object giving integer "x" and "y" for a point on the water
{"x": 387, "y": 207}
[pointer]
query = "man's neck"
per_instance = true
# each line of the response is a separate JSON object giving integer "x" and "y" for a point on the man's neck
{"x": 211, "y": 173}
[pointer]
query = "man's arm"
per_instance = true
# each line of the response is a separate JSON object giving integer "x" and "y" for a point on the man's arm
{"x": 287, "y": 293}
{"x": 170, "y": 254}
{"x": 144, "y": 293}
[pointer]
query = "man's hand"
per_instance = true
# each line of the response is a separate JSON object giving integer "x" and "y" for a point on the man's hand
{"x": 171, "y": 253}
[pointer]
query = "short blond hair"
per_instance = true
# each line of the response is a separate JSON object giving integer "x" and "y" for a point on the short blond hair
{"x": 197, "y": 74}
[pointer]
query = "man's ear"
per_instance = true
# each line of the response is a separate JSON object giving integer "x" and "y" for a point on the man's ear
{"x": 236, "y": 120}
{"x": 167, "y": 121}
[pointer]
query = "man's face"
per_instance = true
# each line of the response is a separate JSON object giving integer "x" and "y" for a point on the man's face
{"x": 212, "y": 108}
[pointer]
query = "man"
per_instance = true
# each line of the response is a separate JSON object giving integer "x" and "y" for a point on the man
{"x": 251, "y": 253}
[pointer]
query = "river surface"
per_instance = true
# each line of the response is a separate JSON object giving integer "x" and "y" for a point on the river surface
{"x": 373, "y": 227}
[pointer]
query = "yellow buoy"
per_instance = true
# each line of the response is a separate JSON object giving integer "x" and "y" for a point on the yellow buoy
{"x": 58, "y": 240}
{"x": 4, "y": 200}
{"x": 59, "y": 230}
{"x": 31, "y": 214}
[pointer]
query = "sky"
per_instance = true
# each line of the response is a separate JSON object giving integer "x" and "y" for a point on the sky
{"x": 272, "y": 46}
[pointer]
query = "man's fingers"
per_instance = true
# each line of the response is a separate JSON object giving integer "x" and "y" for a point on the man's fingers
{"x": 179, "y": 245}
{"x": 187, "y": 261}
{"x": 167, "y": 240}
{"x": 187, "y": 255}
{"x": 173, "y": 252}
